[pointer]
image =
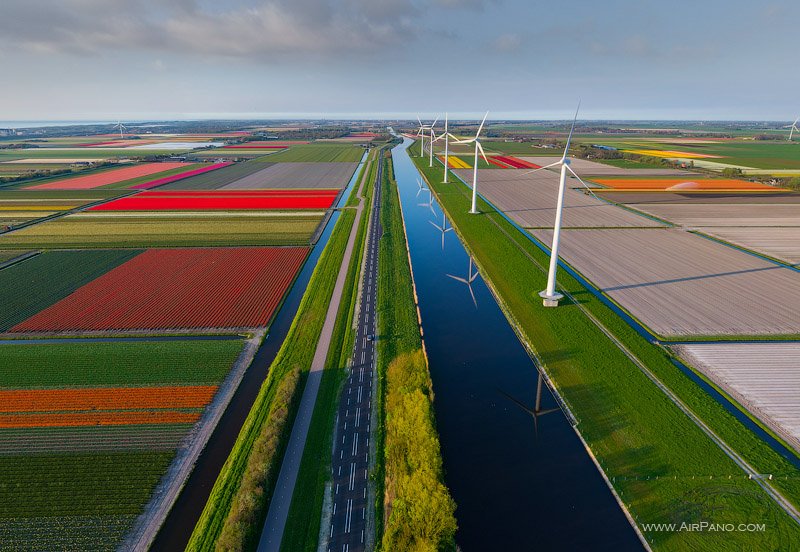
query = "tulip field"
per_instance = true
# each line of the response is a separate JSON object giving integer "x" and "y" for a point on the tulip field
{"x": 223, "y": 200}
{"x": 178, "y": 288}
{"x": 108, "y": 177}
{"x": 86, "y": 436}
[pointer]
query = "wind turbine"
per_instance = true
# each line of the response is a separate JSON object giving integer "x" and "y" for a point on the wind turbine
{"x": 793, "y": 128}
{"x": 421, "y": 188}
{"x": 121, "y": 128}
{"x": 421, "y": 133}
{"x": 550, "y": 297}
{"x": 446, "y": 135}
{"x": 474, "y": 209}
{"x": 468, "y": 280}
{"x": 444, "y": 228}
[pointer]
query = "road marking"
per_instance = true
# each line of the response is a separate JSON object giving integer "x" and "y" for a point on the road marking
{"x": 352, "y": 476}
{"x": 360, "y": 387}
{"x": 358, "y": 415}
{"x": 337, "y": 489}
{"x": 355, "y": 444}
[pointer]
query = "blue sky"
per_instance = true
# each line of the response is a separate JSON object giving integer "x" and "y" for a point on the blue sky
{"x": 141, "y": 59}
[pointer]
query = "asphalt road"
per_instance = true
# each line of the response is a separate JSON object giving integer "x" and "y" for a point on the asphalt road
{"x": 350, "y": 462}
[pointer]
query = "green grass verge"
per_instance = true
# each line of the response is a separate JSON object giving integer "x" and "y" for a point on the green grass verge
{"x": 661, "y": 464}
{"x": 36, "y": 283}
{"x": 302, "y": 526}
{"x": 297, "y": 351}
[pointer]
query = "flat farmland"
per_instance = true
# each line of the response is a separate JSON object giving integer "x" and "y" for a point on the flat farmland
{"x": 593, "y": 168}
{"x": 762, "y": 377}
{"x": 741, "y": 214}
{"x": 319, "y": 153}
{"x": 686, "y": 184}
{"x": 159, "y": 289}
{"x": 223, "y": 201}
{"x": 634, "y": 198}
{"x": 218, "y": 178}
{"x": 680, "y": 284}
{"x": 16, "y": 210}
{"x": 78, "y": 471}
{"x": 781, "y": 243}
{"x": 166, "y": 229}
{"x": 297, "y": 175}
{"x": 114, "y": 176}
{"x": 36, "y": 283}
{"x": 530, "y": 199}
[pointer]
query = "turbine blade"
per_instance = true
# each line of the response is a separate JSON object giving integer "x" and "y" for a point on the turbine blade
{"x": 439, "y": 228}
{"x": 542, "y": 168}
{"x": 480, "y": 128}
{"x": 433, "y": 124}
{"x": 571, "y": 130}
{"x": 585, "y": 185}
{"x": 480, "y": 148}
{"x": 419, "y": 120}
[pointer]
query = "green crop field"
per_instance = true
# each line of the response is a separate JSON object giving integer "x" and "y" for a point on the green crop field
{"x": 116, "y": 363}
{"x": 82, "y": 487}
{"x": 317, "y": 153}
{"x": 36, "y": 283}
{"x": 217, "y": 178}
{"x": 747, "y": 153}
{"x": 168, "y": 230}
{"x": 657, "y": 458}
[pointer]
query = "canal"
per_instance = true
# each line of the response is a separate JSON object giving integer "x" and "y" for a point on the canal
{"x": 521, "y": 482}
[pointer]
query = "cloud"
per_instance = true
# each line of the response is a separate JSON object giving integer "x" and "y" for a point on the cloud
{"x": 320, "y": 28}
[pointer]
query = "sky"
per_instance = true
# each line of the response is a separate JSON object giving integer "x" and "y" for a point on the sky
{"x": 520, "y": 59}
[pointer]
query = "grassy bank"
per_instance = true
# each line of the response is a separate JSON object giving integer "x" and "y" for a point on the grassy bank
{"x": 295, "y": 355}
{"x": 662, "y": 465}
{"x": 302, "y": 526}
{"x": 414, "y": 510}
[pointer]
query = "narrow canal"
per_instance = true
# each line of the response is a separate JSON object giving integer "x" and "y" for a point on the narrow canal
{"x": 520, "y": 482}
{"x": 177, "y": 528}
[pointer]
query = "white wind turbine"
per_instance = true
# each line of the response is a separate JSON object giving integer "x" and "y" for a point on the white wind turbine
{"x": 446, "y": 135}
{"x": 421, "y": 133}
{"x": 793, "y": 128}
{"x": 550, "y": 297}
{"x": 474, "y": 209}
{"x": 468, "y": 280}
{"x": 121, "y": 129}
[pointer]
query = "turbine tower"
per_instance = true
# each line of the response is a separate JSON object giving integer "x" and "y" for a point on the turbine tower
{"x": 446, "y": 135}
{"x": 550, "y": 297}
{"x": 793, "y": 128}
{"x": 474, "y": 208}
